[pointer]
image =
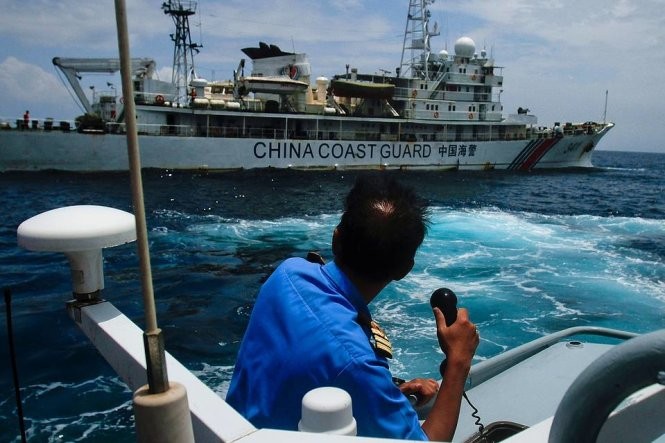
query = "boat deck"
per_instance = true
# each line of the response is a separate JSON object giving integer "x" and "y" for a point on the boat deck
{"x": 545, "y": 376}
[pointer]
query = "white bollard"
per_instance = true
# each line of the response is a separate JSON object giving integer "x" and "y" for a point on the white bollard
{"x": 327, "y": 410}
{"x": 163, "y": 417}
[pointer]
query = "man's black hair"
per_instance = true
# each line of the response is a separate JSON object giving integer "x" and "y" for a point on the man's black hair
{"x": 382, "y": 226}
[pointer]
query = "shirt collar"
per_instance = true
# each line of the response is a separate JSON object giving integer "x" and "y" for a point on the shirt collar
{"x": 346, "y": 287}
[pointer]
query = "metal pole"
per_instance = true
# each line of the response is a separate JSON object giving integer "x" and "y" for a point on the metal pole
{"x": 152, "y": 337}
{"x": 605, "y": 111}
{"x": 12, "y": 357}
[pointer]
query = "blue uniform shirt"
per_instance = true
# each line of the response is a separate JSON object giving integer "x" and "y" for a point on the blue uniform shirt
{"x": 303, "y": 334}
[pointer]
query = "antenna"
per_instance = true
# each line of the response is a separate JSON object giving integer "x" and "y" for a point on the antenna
{"x": 605, "y": 111}
{"x": 183, "y": 48}
{"x": 199, "y": 24}
{"x": 416, "y": 46}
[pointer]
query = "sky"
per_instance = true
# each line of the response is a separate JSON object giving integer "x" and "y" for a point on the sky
{"x": 559, "y": 57}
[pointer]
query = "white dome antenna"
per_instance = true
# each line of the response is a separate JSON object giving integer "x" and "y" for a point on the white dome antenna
{"x": 465, "y": 47}
{"x": 81, "y": 232}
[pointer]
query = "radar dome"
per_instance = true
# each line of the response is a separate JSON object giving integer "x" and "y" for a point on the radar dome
{"x": 465, "y": 47}
{"x": 443, "y": 54}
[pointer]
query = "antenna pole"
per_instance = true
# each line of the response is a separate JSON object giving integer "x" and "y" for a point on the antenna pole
{"x": 605, "y": 111}
{"x": 155, "y": 358}
{"x": 417, "y": 39}
{"x": 161, "y": 409}
{"x": 183, "y": 48}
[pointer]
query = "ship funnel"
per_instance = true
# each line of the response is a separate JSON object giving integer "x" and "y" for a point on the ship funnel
{"x": 80, "y": 232}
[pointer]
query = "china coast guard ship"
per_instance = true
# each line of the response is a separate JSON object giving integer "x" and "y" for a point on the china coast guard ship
{"x": 436, "y": 111}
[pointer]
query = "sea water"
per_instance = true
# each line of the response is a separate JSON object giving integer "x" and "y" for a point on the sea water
{"x": 526, "y": 253}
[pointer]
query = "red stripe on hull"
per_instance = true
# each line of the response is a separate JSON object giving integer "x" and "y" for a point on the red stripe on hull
{"x": 537, "y": 154}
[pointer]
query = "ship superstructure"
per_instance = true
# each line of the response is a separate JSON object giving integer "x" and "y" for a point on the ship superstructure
{"x": 438, "y": 110}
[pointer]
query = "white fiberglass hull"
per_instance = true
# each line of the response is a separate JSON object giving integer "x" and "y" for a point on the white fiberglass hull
{"x": 71, "y": 151}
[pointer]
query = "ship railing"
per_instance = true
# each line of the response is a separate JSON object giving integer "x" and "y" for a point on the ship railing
{"x": 482, "y": 97}
{"x": 44, "y": 124}
{"x": 468, "y": 77}
{"x": 154, "y": 129}
{"x": 460, "y": 114}
{"x": 418, "y": 94}
{"x": 473, "y": 78}
{"x": 448, "y": 133}
{"x": 154, "y": 98}
{"x": 583, "y": 128}
{"x": 265, "y": 133}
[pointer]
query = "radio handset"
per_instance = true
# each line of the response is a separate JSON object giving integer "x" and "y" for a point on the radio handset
{"x": 446, "y": 300}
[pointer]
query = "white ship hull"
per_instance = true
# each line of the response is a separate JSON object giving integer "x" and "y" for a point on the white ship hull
{"x": 442, "y": 114}
{"x": 70, "y": 151}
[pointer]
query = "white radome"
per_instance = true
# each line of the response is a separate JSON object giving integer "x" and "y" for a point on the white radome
{"x": 465, "y": 47}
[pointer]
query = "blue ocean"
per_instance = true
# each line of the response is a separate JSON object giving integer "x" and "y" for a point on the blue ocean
{"x": 526, "y": 253}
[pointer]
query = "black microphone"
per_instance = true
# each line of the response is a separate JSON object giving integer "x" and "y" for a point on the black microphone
{"x": 446, "y": 300}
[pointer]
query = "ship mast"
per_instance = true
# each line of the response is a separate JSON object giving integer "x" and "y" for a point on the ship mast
{"x": 184, "y": 49}
{"x": 605, "y": 111}
{"x": 416, "y": 47}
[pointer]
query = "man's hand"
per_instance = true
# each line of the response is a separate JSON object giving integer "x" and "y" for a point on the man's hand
{"x": 424, "y": 389}
{"x": 459, "y": 342}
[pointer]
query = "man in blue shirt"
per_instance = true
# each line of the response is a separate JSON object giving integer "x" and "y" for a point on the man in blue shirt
{"x": 311, "y": 327}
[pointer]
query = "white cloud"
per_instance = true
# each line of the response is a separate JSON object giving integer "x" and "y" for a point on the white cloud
{"x": 75, "y": 24}
{"x": 29, "y": 85}
{"x": 562, "y": 55}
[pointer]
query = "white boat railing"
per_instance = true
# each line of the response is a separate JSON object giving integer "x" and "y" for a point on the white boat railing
{"x": 487, "y": 369}
{"x": 120, "y": 342}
